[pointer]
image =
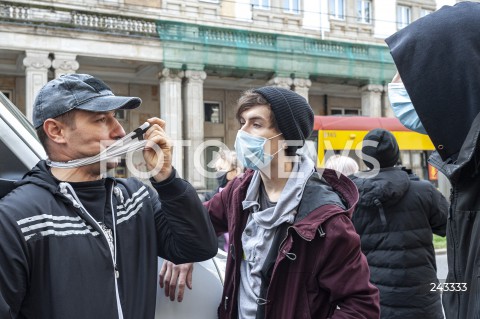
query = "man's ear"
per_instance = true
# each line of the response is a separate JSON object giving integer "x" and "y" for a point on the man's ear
{"x": 55, "y": 130}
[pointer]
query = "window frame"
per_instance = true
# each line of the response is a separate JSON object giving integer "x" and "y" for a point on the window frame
{"x": 261, "y": 4}
{"x": 334, "y": 13}
{"x": 343, "y": 111}
{"x": 403, "y": 11}
{"x": 221, "y": 112}
{"x": 290, "y": 7}
{"x": 424, "y": 12}
{"x": 362, "y": 8}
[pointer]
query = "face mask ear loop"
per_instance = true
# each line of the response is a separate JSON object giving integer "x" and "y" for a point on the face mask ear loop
{"x": 274, "y": 136}
{"x": 272, "y": 155}
{"x": 279, "y": 149}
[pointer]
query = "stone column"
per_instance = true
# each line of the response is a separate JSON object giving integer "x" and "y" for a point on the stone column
{"x": 301, "y": 86}
{"x": 387, "y": 109}
{"x": 193, "y": 119}
{"x": 372, "y": 100}
{"x": 170, "y": 87}
{"x": 281, "y": 81}
{"x": 65, "y": 63}
{"x": 37, "y": 64}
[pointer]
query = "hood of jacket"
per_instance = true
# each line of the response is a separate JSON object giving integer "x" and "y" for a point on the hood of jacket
{"x": 388, "y": 187}
{"x": 343, "y": 187}
{"x": 40, "y": 175}
{"x": 326, "y": 194}
{"x": 325, "y": 187}
{"x": 438, "y": 59}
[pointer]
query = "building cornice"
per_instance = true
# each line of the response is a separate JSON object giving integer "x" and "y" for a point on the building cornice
{"x": 227, "y": 48}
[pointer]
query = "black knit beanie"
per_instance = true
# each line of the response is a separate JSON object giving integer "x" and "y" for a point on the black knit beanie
{"x": 386, "y": 152}
{"x": 292, "y": 112}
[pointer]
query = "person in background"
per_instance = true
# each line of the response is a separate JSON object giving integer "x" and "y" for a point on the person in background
{"x": 395, "y": 219}
{"x": 438, "y": 61}
{"x": 343, "y": 164}
{"x": 227, "y": 168}
{"x": 293, "y": 249}
{"x": 75, "y": 244}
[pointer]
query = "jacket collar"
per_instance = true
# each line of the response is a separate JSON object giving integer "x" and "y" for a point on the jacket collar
{"x": 334, "y": 194}
{"x": 339, "y": 196}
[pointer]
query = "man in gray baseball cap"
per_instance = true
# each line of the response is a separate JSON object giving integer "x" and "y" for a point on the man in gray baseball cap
{"x": 75, "y": 244}
{"x": 77, "y": 91}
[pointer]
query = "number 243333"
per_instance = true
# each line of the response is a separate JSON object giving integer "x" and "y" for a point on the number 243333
{"x": 449, "y": 286}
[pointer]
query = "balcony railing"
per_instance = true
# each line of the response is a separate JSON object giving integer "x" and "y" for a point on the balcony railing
{"x": 76, "y": 19}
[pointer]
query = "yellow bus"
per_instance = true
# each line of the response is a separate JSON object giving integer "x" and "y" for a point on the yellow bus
{"x": 344, "y": 135}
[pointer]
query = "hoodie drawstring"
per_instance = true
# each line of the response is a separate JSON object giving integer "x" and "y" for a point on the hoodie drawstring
{"x": 64, "y": 188}
{"x": 118, "y": 193}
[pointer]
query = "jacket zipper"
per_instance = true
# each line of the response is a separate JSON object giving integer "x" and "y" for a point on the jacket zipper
{"x": 115, "y": 267}
{"x": 451, "y": 214}
{"x": 113, "y": 253}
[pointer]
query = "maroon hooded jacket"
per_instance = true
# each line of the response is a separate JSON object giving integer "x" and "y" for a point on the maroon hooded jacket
{"x": 328, "y": 276}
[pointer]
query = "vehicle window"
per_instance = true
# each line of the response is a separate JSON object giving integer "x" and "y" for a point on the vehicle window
{"x": 20, "y": 148}
{"x": 18, "y": 115}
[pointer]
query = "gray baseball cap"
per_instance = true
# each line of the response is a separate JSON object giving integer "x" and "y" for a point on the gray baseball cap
{"x": 77, "y": 91}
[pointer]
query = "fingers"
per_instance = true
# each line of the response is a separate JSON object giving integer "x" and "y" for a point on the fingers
{"x": 156, "y": 135}
{"x": 156, "y": 120}
{"x": 167, "y": 278}
{"x": 172, "y": 276}
{"x": 181, "y": 286}
{"x": 161, "y": 274}
{"x": 173, "y": 283}
{"x": 184, "y": 279}
{"x": 190, "y": 279}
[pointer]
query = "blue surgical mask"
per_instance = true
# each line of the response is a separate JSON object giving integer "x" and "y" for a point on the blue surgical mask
{"x": 221, "y": 177}
{"x": 250, "y": 150}
{"x": 403, "y": 108}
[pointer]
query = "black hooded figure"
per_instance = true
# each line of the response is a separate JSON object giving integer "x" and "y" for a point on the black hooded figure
{"x": 395, "y": 218}
{"x": 438, "y": 59}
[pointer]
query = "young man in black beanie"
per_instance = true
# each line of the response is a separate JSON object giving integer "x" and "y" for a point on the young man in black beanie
{"x": 395, "y": 218}
{"x": 293, "y": 249}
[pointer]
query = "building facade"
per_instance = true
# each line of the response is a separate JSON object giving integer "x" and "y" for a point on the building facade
{"x": 190, "y": 60}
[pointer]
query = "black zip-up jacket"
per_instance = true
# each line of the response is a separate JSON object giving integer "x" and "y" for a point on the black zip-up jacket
{"x": 395, "y": 218}
{"x": 438, "y": 59}
{"x": 56, "y": 261}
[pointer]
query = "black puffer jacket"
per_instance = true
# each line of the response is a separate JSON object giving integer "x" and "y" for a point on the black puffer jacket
{"x": 395, "y": 218}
